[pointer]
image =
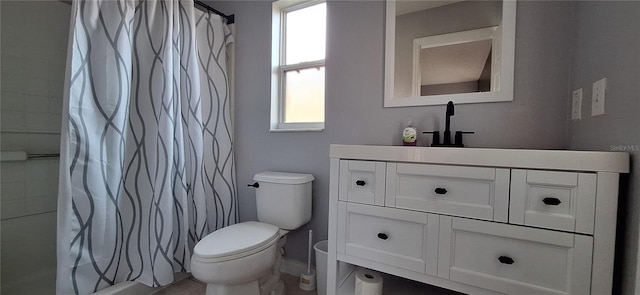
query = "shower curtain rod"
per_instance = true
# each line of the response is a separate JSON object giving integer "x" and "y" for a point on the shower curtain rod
{"x": 229, "y": 18}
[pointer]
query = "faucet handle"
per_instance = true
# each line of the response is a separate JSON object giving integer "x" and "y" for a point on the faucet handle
{"x": 458, "y": 138}
{"x": 436, "y": 137}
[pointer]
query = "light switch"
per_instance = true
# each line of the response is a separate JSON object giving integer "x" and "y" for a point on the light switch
{"x": 576, "y": 105}
{"x": 597, "y": 100}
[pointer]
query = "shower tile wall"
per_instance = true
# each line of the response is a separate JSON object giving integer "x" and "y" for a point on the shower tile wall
{"x": 34, "y": 36}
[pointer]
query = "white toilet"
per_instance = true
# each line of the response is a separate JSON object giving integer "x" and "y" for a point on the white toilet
{"x": 245, "y": 258}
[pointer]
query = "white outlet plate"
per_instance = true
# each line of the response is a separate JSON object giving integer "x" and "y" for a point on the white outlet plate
{"x": 597, "y": 100}
{"x": 576, "y": 105}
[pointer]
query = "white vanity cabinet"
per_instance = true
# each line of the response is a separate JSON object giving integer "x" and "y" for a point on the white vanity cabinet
{"x": 477, "y": 221}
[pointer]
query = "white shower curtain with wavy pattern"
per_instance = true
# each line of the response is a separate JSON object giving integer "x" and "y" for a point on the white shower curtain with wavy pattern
{"x": 146, "y": 167}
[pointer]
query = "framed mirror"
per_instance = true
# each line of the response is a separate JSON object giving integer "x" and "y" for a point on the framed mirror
{"x": 453, "y": 50}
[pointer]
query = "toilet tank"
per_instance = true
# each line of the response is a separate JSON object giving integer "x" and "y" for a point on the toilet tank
{"x": 283, "y": 199}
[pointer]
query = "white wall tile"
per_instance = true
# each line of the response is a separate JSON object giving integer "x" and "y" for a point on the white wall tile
{"x": 13, "y": 208}
{"x": 12, "y": 101}
{"x": 12, "y": 190}
{"x": 55, "y": 122}
{"x": 36, "y": 103}
{"x": 29, "y": 254}
{"x": 12, "y": 120}
{"x": 55, "y": 105}
{"x": 12, "y": 171}
{"x": 36, "y": 121}
{"x": 33, "y": 62}
{"x": 54, "y": 87}
{"x": 37, "y": 189}
{"x": 37, "y": 170}
{"x": 41, "y": 205}
{"x": 38, "y": 86}
{"x": 42, "y": 143}
{"x": 12, "y": 63}
{"x": 14, "y": 82}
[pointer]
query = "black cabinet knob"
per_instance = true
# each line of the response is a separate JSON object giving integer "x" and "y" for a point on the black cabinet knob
{"x": 254, "y": 185}
{"x": 506, "y": 260}
{"x": 360, "y": 182}
{"x": 440, "y": 191}
{"x": 551, "y": 201}
{"x": 382, "y": 236}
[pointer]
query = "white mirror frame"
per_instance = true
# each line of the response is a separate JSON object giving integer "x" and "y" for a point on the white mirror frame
{"x": 504, "y": 83}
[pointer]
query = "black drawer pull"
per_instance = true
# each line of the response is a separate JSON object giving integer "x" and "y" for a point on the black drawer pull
{"x": 440, "y": 191}
{"x": 254, "y": 185}
{"x": 551, "y": 201}
{"x": 506, "y": 260}
{"x": 360, "y": 182}
{"x": 382, "y": 236}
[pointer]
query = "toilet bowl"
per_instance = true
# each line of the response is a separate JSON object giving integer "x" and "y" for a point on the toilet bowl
{"x": 245, "y": 258}
{"x": 232, "y": 260}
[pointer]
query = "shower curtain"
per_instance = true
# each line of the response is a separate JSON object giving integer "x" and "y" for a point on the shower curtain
{"x": 146, "y": 167}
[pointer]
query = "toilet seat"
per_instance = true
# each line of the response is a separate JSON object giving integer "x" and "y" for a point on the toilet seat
{"x": 236, "y": 241}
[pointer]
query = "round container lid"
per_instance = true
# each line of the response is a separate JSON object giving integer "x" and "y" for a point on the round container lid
{"x": 284, "y": 178}
{"x": 235, "y": 239}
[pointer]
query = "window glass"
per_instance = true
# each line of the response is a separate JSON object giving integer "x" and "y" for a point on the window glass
{"x": 304, "y": 95}
{"x": 305, "y": 34}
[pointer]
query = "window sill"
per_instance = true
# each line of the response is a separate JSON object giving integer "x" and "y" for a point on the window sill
{"x": 297, "y": 130}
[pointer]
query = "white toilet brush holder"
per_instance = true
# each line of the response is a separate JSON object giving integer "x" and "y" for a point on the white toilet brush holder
{"x": 308, "y": 279}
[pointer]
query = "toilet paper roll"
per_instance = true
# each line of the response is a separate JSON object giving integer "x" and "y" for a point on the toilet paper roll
{"x": 368, "y": 282}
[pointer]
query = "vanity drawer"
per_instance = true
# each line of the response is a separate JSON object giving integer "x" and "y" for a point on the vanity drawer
{"x": 556, "y": 200}
{"x": 513, "y": 259}
{"x": 362, "y": 182}
{"x": 463, "y": 191}
{"x": 400, "y": 238}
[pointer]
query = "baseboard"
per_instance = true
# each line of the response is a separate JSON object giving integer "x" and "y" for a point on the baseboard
{"x": 293, "y": 267}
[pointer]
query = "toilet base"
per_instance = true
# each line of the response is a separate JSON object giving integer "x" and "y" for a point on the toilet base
{"x": 250, "y": 288}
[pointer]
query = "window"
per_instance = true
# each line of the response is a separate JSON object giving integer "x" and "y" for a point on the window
{"x": 298, "y": 53}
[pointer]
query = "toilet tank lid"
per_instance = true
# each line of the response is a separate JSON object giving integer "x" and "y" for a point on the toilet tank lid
{"x": 283, "y": 177}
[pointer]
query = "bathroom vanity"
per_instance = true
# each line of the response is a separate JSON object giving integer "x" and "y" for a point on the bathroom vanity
{"x": 477, "y": 221}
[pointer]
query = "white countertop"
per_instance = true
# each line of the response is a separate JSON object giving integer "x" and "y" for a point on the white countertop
{"x": 617, "y": 162}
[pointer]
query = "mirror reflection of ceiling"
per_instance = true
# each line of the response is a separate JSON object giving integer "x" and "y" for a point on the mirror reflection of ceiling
{"x": 445, "y": 18}
{"x": 408, "y": 6}
{"x": 454, "y": 63}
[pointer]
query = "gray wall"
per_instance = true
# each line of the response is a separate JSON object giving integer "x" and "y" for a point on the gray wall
{"x": 354, "y": 98}
{"x": 607, "y": 44}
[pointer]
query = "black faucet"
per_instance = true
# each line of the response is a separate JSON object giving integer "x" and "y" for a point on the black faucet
{"x": 446, "y": 142}
{"x": 447, "y": 123}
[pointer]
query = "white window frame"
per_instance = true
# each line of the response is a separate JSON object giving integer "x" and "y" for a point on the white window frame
{"x": 278, "y": 68}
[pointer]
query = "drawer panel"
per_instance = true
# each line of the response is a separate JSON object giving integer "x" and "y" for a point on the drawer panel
{"x": 362, "y": 181}
{"x": 463, "y": 191}
{"x": 556, "y": 200}
{"x": 513, "y": 259}
{"x": 405, "y": 239}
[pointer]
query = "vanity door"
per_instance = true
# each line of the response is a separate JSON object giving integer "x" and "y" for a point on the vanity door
{"x": 514, "y": 259}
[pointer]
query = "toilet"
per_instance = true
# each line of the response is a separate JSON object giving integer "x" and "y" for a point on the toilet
{"x": 245, "y": 258}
